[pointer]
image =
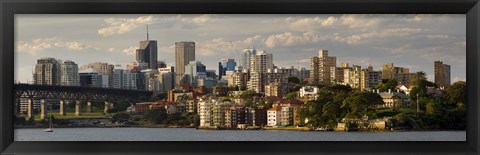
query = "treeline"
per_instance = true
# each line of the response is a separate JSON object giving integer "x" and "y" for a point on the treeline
{"x": 445, "y": 110}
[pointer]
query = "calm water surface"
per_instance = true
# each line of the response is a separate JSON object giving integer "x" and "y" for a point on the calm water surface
{"x": 190, "y": 134}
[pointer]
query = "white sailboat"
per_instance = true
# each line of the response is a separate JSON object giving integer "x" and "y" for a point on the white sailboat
{"x": 50, "y": 126}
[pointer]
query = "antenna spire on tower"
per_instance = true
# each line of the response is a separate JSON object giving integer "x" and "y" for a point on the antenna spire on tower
{"x": 147, "y": 32}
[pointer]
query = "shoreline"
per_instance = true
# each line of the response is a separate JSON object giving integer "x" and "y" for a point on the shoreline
{"x": 263, "y": 128}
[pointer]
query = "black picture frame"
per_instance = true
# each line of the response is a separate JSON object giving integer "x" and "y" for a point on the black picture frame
{"x": 9, "y": 8}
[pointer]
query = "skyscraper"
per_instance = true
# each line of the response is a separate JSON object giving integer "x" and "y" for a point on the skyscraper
{"x": 193, "y": 70}
{"x": 184, "y": 53}
{"x": 320, "y": 68}
{"x": 225, "y": 65}
{"x": 147, "y": 53}
{"x": 47, "y": 72}
{"x": 69, "y": 74}
{"x": 261, "y": 62}
{"x": 442, "y": 74}
{"x": 246, "y": 53}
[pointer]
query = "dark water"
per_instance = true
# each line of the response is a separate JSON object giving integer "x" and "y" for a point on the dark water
{"x": 189, "y": 134}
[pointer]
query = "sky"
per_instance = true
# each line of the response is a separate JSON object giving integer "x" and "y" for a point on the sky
{"x": 411, "y": 41}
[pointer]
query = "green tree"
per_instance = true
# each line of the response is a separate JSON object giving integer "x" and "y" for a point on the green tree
{"x": 388, "y": 84}
{"x": 435, "y": 108}
{"x": 155, "y": 116}
{"x": 161, "y": 96}
{"x": 120, "y": 117}
{"x": 293, "y": 79}
{"x": 329, "y": 114}
{"x": 291, "y": 95}
{"x": 360, "y": 103}
{"x": 269, "y": 104}
{"x": 457, "y": 93}
{"x": 406, "y": 120}
{"x": 119, "y": 106}
{"x": 248, "y": 94}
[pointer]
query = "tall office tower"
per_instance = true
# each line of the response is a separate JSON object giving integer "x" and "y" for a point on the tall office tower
{"x": 246, "y": 54}
{"x": 370, "y": 78}
{"x": 184, "y": 53}
{"x": 320, "y": 68}
{"x": 225, "y": 65}
{"x": 193, "y": 70}
{"x": 147, "y": 53}
{"x": 47, "y": 72}
{"x": 166, "y": 78}
{"x": 103, "y": 69}
{"x": 69, "y": 74}
{"x": 125, "y": 78}
{"x": 261, "y": 62}
{"x": 211, "y": 74}
{"x": 442, "y": 74}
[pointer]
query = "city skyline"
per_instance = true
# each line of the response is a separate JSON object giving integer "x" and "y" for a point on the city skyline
{"x": 405, "y": 40}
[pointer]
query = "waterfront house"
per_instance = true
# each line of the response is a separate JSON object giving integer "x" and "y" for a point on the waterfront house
{"x": 394, "y": 99}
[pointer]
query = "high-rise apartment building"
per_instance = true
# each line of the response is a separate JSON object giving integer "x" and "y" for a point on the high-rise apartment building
{"x": 370, "y": 78}
{"x": 351, "y": 76}
{"x": 320, "y": 68}
{"x": 69, "y": 74}
{"x": 47, "y": 72}
{"x": 442, "y": 74}
{"x": 246, "y": 54}
{"x": 184, "y": 53}
{"x": 261, "y": 62}
{"x": 103, "y": 69}
{"x": 389, "y": 71}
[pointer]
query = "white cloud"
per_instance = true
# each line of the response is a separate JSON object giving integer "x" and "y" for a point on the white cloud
{"x": 111, "y": 49}
{"x": 359, "y": 21}
{"x": 123, "y": 25}
{"x": 302, "y": 23}
{"x": 222, "y": 46}
{"x": 130, "y": 50}
{"x": 437, "y": 36}
{"x": 357, "y": 38}
{"x": 462, "y": 43}
{"x": 41, "y": 44}
{"x": 290, "y": 39}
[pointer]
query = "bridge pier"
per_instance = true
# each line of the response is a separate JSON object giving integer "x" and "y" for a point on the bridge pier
{"x": 89, "y": 107}
{"x": 43, "y": 111}
{"x": 30, "y": 108}
{"x": 62, "y": 107}
{"x": 106, "y": 107}
{"x": 17, "y": 106}
{"x": 77, "y": 108}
